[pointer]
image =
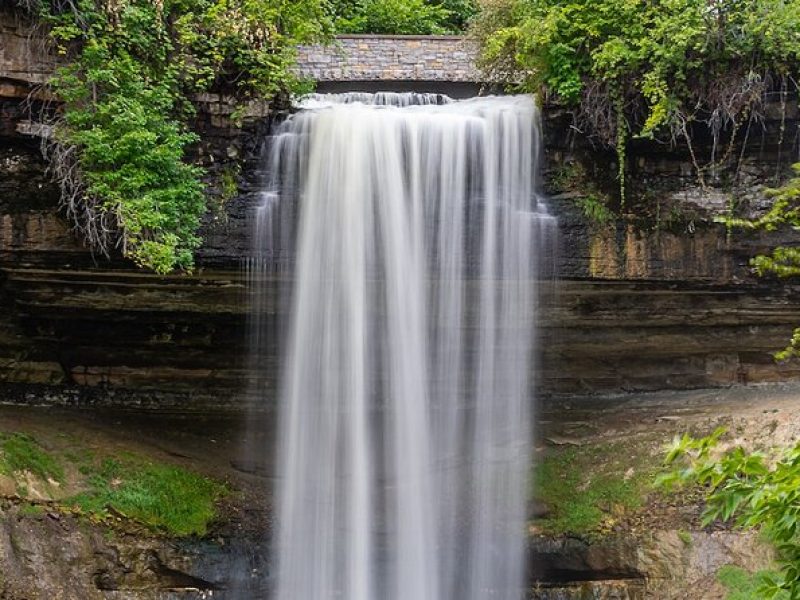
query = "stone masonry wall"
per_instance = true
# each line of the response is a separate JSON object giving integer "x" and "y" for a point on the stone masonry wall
{"x": 391, "y": 58}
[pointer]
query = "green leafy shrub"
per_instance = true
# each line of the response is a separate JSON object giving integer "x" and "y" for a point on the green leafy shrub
{"x": 742, "y": 585}
{"x": 394, "y": 17}
{"x": 750, "y": 490}
{"x": 401, "y": 17}
{"x": 650, "y": 69}
{"x": 461, "y": 13}
{"x": 783, "y": 212}
{"x": 132, "y": 67}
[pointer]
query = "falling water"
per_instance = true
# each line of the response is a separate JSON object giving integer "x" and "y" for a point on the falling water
{"x": 412, "y": 232}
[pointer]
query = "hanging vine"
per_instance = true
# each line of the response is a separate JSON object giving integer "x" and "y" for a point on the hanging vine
{"x": 647, "y": 69}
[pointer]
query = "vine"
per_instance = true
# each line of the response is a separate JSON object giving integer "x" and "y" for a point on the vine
{"x": 621, "y": 147}
{"x": 653, "y": 70}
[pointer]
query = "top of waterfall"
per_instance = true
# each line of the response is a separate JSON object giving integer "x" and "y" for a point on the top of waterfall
{"x": 413, "y": 100}
{"x": 398, "y": 99}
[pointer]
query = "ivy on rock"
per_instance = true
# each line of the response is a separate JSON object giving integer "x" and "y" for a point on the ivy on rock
{"x": 783, "y": 261}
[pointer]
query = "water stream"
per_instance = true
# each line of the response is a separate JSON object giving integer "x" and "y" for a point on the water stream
{"x": 412, "y": 232}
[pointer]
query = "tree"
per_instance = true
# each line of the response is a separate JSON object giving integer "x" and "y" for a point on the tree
{"x": 132, "y": 67}
{"x": 402, "y": 17}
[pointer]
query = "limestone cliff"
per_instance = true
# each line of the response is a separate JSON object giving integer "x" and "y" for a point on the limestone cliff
{"x": 641, "y": 303}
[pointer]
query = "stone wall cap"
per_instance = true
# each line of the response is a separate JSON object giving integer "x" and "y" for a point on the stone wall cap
{"x": 383, "y": 36}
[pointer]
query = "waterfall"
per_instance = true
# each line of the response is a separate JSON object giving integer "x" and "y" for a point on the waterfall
{"x": 412, "y": 234}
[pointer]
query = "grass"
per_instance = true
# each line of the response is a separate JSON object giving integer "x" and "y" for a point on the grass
{"x": 32, "y": 510}
{"x": 162, "y": 497}
{"x": 742, "y": 585}
{"x": 20, "y": 452}
{"x": 589, "y": 488}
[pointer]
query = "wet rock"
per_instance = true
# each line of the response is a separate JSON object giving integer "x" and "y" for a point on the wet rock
{"x": 64, "y": 559}
{"x": 660, "y": 564}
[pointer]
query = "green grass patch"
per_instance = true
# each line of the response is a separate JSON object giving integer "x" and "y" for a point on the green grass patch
{"x": 585, "y": 488}
{"x": 685, "y": 537}
{"x": 31, "y": 510}
{"x": 20, "y": 452}
{"x": 162, "y": 497}
{"x": 743, "y": 585}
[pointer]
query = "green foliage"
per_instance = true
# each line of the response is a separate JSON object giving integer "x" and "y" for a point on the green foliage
{"x": 750, "y": 490}
{"x": 395, "y": 17}
{"x": 648, "y": 69}
{"x": 595, "y": 209}
{"x": 461, "y": 12}
{"x": 132, "y": 67}
{"x": 403, "y": 17}
{"x": 228, "y": 188}
{"x": 162, "y": 497}
{"x": 783, "y": 212}
{"x": 589, "y": 488}
{"x": 742, "y": 585}
{"x": 783, "y": 261}
{"x": 594, "y": 204}
{"x": 685, "y": 537}
{"x": 229, "y": 182}
{"x": 131, "y": 155}
{"x": 20, "y": 452}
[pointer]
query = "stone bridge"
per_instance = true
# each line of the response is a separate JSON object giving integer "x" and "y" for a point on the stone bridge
{"x": 443, "y": 64}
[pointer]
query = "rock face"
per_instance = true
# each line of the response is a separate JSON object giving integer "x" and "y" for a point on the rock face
{"x": 22, "y": 59}
{"x": 52, "y": 556}
{"x": 664, "y": 564}
{"x": 640, "y": 303}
